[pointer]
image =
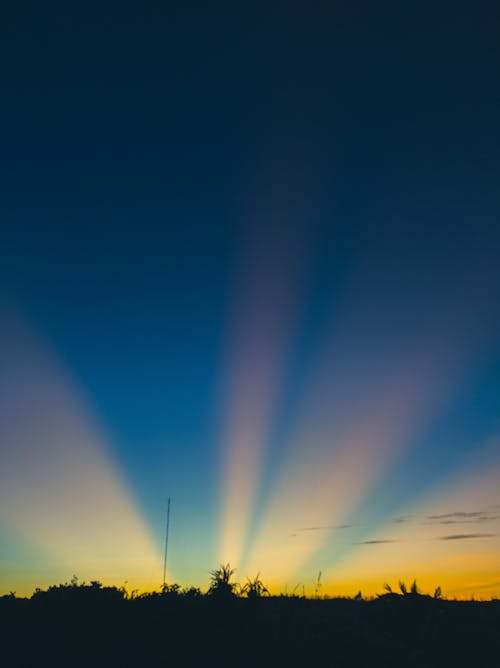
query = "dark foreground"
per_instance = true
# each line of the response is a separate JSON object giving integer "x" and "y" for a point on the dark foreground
{"x": 104, "y": 628}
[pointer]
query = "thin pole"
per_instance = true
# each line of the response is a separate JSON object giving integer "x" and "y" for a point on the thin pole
{"x": 166, "y": 544}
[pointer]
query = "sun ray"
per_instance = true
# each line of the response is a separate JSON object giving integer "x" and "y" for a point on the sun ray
{"x": 60, "y": 489}
{"x": 257, "y": 350}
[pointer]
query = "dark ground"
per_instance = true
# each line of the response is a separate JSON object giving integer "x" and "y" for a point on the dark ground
{"x": 89, "y": 627}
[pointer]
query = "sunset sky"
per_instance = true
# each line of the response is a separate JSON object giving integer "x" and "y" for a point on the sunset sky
{"x": 250, "y": 260}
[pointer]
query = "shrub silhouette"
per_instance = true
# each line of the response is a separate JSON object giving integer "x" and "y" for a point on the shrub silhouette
{"x": 221, "y": 585}
{"x": 412, "y": 593}
{"x": 80, "y": 595}
{"x": 172, "y": 591}
{"x": 191, "y": 593}
{"x": 255, "y": 588}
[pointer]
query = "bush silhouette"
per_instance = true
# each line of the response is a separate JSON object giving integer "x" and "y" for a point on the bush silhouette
{"x": 221, "y": 586}
{"x": 255, "y": 588}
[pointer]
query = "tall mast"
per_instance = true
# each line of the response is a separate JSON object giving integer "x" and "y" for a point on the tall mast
{"x": 166, "y": 544}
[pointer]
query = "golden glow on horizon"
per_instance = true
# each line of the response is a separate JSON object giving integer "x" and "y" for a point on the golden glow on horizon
{"x": 451, "y": 540}
{"x": 59, "y": 489}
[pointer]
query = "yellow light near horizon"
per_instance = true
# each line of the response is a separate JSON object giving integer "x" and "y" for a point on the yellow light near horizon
{"x": 437, "y": 544}
{"x": 59, "y": 488}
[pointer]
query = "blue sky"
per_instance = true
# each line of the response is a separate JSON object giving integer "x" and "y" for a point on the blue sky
{"x": 263, "y": 247}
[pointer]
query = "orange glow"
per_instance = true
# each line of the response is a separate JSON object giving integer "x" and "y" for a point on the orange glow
{"x": 451, "y": 539}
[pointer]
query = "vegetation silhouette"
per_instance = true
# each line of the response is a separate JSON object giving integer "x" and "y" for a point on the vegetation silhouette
{"x": 254, "y": 589}
{"x": 221, "y": 585}
{"x": 80, "y": 624}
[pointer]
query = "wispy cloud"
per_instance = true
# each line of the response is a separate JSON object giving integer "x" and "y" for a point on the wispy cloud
{"x": 325, "y": 528}
{"x": 464, "y": 517}
{"x": 376, "y": 542}
{"x": 461, "y": 514}
{"x": 465, "y": 536}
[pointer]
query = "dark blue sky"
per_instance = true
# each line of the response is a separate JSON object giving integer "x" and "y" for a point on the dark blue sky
{"x": 153, "y": 155}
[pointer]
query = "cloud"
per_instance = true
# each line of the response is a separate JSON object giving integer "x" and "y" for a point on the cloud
{"x": 464, "y": 536}
{"x": 376, "y": 542}
{"x": 462, "y": 517}
{"x": 325, "y": 528}
{"x": 475, "y": 513}
{"x": 401, "y": 519}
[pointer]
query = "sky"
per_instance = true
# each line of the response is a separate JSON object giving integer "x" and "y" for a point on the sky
{"x": 249, "y": 260}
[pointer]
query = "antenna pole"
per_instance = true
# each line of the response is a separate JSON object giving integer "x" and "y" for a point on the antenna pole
{"x": 166, "y": 544}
